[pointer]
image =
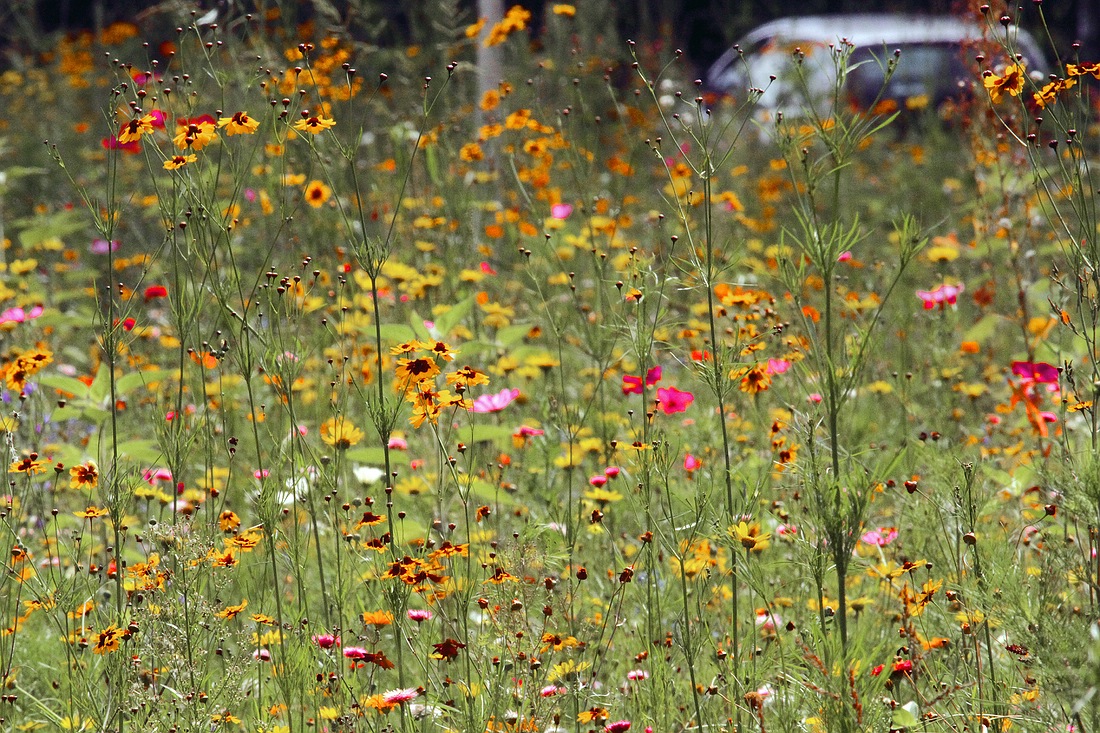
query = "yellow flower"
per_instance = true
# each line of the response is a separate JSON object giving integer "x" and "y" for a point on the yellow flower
{"x": 178, "y": 161}
{"x": 92, "y": 512}
{"x": 107, "y": 641}
{"x": 84, "y": 476}
{"x": 231, "y": 611}
{"x": 132, "y": 131}
{"x": 317, "y": 193}
{"x": 315, "y": 124}
{"x": 195, "y": 135}
{"x": 514, "y": 20}
{"x": 567, "y": 10}
{"x": 239, "y": 124}
{"x": 340, "y": 433}
{"x": 1012, "y": 82}
{"x": 749, "y": 536}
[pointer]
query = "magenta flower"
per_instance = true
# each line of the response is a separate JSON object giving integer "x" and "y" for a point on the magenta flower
{"x": 495, "y": 402}
{"x": 1035, "y": 372}
{"x": 524, "y": 431}
{"x": 778, "y": 366}
{"x": 398, "y": 444}
{"x": 633, "y": 385}
{"x": 561, "y": 211}
{"x": 325, "y": 641}
{"x": 942, "y": 296}
{"x": 619, "y": 726}
{"x": 880, "y": 537}
{"x": 419, "y": 615}
{"x": 18, "y": 315}
{"x": 598, "y": 480}
{"x": 612, "y": 471}
{"x": 102, "y": 246}
{"x": 355, "y": 652}
{"x": 691, "y": 463}
{"x": 673, "y": 400}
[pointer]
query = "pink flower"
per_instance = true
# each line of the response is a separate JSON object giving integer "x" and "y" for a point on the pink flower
{"x": 326, "y": 641}
{"x": 152, "y": 475}
{"x": 419, "y": 615}
{"x": 942, "y": 296}
{"x": 561, "y": 211}
{"x": 880, "y": 537}
{"x": 673, "y": 400}
{"x": 844, "y": 256}
{"x": 487, "y": 268}
{"x": 815, "y": 397}
{"x": 18, "y": 315}
{"x": 778, "y": 366}
{"x": 691, "y": 463}
{"x": 112, "y": 143}
{"x": 102, "y": 246}
{"x": 398, "y": 444}
{"x": 551, "y": 690}
{"x": 1035, "y": 372}
{"x": 633, "y": 385}
{"x": 495, "y": 402}
{"x": 786, "y": 530}
{"x": 598, "y": 480}
{"x": 612, "y": 471}
{"x": 262, "y": 655}
{"x": 261, "y": 473}
{"x": 524, "y": 431}
{"x": 619, "y": 726}
{"x": 397, "y": 697}
{"x": 637, "y": 675}
{"x": 355, "y": 652}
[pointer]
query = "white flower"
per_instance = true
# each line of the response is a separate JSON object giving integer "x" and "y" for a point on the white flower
{"x": 368, "y": 474}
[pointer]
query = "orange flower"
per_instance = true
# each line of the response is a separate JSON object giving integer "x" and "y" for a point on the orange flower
{"x": 107, "y": 641}
{"x": 317, "y": 193}
{"x": 230, "y": 612}
{"x": 315, "y": 124}
{"x": 239, "y": 124}
{"x": 1011, "y": 83}
{"x": 92, "y": 512}
{"x": 84, "y": 476}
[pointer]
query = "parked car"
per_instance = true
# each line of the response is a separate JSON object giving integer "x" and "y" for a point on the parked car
{"x": 936, "y": 60}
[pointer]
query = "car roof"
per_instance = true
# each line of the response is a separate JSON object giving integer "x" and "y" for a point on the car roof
{"x": 864, "y": 29}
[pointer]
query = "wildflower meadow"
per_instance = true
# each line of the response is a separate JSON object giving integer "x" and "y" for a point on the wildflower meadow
{"x": 345, "y": 391}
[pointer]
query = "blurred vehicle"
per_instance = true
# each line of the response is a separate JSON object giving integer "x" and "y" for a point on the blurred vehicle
{"x": 936, "y": 63}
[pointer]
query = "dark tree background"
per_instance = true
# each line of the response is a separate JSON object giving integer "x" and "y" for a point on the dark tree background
{"x": 702, "y": 28}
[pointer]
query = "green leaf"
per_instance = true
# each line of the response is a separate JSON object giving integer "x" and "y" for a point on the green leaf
{"x": 484, "y": 433}
{"x": 512, "y": 334}
{"x": 72, "y": 385}
{"x": 397, "y": 332}
{"x": 983, "y": 329}
{"x": 375, "y": 455}
{"x": 127, "y": 382}
{"x": 446, "y": 322}
{"x": 419, "y": 328}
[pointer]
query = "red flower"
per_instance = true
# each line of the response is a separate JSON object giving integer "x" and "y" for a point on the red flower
{"x": 112, "y": 143}
{"x": 633, "y": 385}
{"x": 155, "y": 291}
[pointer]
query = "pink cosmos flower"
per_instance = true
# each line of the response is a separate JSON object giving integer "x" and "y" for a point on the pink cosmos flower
{"x": 398, "y": 444}
{"x": 487, "y": 268}
{"x": 942, "y": 296}
{"x": 551, "y": 690}
{"x": 674, "y": 400}
{"x": 880, "y": 537}
{"x": 778, "y": 366}
{"x": 18, "y": 315}
{"x": 262, "y": 655}
{"x": 495, "y": 402}
{"x": 1035, "y": 372}
{"x": 561, "y": 211}
{"x": 786, "y": 531}
{"x": 619, "y": 726}
{"x": 355, "y": 652}
{"x": 815, "y": 397}
{"x": 612, "y": 471}
{"x": 633, "y": 385}
{"x": 326, "y": 641}
{"x": 523, "y": 431}
{"x": 102, "y": 246}
{"x": 419, "y": 615}
{"x": 637, "y": 675}
{"x": 152, "y": 475}
{"x": 598, "y": 480}
{"x": 844, "y": 256}
{"x": 397, "y": 697}
{"x": 691, "y": 463}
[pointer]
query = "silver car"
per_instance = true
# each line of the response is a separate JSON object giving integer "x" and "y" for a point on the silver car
{"x": 936, "y": 63}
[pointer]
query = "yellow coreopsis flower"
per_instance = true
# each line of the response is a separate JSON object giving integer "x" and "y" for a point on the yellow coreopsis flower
{"x": 239, "y": 124}
{"x": 340, "y": 433}
{"x": 315, "y": 124}
{"x": 1012, "y": 83}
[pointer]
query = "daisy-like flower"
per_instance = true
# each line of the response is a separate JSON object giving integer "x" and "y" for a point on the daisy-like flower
{"x": 317, "y": 193}
{"x": 28, "y": 465}
{"x": 195, "y": 134}
{"x": 239, "y": 124}
{"x": 131, "y": 131}
{"x": 84, "y": 476}
{"x": 314, "y": 124}
{"x": 339, "y": 433}
{"x": 942, "y": 296}
{"x": 178, "y": 161}
{"x": 1012, "y": 83}
{"x": 107, "y": 641}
